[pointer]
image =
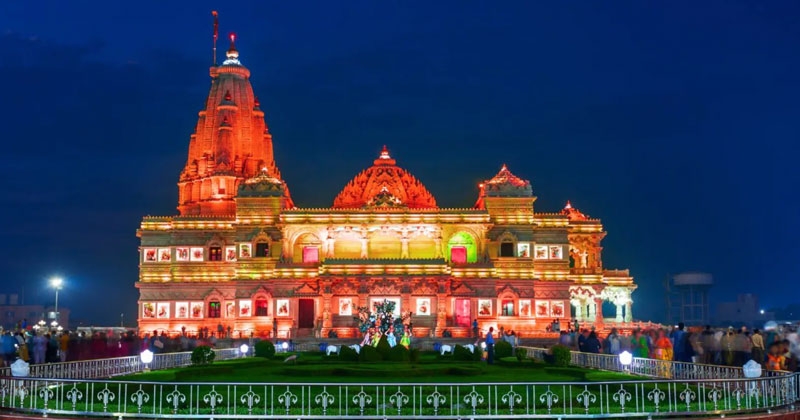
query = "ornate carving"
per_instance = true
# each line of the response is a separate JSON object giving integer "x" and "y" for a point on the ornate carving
{"x": 424, "y": 287}
{"x": 344, "y": 287}
{"x": 384, "y": 287}
{"x": 306, "y": 289}
{"x": 573, "y": 213}
{"x": 462, "y": 289}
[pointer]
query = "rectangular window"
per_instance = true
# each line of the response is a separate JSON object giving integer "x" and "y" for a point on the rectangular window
{"x": 507, "y": 249}
{"x": 261, "y": 307}
{"x": 310, "y": 254}
{"x": 262, "y": 249}
{"x": 214, "y": 309}
{"x": 215, "y": 253}
{"x": 508, "y": 308}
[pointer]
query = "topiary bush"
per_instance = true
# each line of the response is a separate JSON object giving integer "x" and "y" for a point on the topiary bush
{"x": 202, "y": 355}
{"x": 346, "y": 354}
{"x": 561, "y": 355}
{"x": 502, "y": 349}
{"x": 463, "y": 354}
{"x": 521, "y": 353}
{"x": 383, "y": 348}
{"x": 369, "y": 354}
{"x": 265, "y": 348}
{"x": 399, "y": 354}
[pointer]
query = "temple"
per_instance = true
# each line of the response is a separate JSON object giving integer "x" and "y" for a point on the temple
{"x": 242, "y": 257}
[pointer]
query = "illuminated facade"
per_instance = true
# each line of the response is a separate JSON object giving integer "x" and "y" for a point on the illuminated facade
{"x": 242, "y": 256}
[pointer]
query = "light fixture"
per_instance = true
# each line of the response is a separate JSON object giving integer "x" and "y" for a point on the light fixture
{"x": 625, "y": 359}
{"x": 762, "y": 312}
{"x": 243, "y": 349}
{"x": 285, "y": 346}
{"x": 146, "y": 357}
{"x": 483, "y": 345}
{"x": 54, "y": 324}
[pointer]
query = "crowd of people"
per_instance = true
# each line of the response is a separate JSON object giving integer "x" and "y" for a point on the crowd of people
{"x": 774, "y": 349}
{"x": 38, "y": 347}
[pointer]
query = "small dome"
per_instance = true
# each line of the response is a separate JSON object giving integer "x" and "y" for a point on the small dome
{"x": 384, "y": 184}
{"x": 506, "y": 184}
{"x": 572, "y": 213}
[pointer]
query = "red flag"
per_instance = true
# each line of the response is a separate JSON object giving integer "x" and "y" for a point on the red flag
{"x": 216, "y": 25}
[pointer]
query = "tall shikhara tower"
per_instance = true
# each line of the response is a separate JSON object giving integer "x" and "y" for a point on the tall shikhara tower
{"x": 230, "y": 143}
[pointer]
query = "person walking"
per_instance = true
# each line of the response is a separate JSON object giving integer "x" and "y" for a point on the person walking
{"x": 489, "y": 340}
{"x": 475, "y": 328}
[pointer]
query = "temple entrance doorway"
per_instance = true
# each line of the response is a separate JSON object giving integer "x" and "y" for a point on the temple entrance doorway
{"x": 305, "y": 317}
{"x": 463, "y": 313}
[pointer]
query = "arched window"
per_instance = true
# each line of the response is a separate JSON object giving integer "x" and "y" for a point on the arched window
{"x": 214, "y": 309}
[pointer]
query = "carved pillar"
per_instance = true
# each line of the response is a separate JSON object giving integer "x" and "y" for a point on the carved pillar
{"x": 329, "y": 250}
{"x": 592, "y": 310}
{"x": 286, "y": 250}
{"x": 578, "y": 311}
{"x": 619, "y": 312}
{"x": 484, "y": 249}
{"x": 327, "y": 319}
{"x": 441, "y": 308}
{"x": 628, "y": 313}
{"x": 438, "y": 252}
{"x": 598, "y": 304}
{"x": 404, "y": 247}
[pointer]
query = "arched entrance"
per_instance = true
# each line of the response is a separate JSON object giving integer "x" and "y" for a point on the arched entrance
{"x": 461, "y": 248}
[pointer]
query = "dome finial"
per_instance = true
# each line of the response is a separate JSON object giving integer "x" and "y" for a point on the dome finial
{"x": 568, "y": 206}
{"x": 233, "y": 53}
{"x": 385, "y": 153}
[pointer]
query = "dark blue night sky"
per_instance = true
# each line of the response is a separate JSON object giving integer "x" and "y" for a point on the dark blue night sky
{"x": 676, "y": 123}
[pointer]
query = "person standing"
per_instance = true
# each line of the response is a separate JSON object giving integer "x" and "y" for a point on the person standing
{"x": 489, "y": 340}
{"x": 63, "y": 344}
{"x": 758, "y": 346}
{"x": 475, "y": 328}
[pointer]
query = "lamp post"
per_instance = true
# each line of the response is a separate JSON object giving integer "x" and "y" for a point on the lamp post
{"x": 56, "y": 283}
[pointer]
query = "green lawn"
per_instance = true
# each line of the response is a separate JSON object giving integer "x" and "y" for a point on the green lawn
{"x": 314, "y": 368}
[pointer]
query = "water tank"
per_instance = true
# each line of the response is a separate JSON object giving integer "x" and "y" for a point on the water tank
{"x": 693, "y": 279}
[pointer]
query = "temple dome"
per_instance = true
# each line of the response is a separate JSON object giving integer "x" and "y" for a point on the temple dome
{"x": 383, "y": 185}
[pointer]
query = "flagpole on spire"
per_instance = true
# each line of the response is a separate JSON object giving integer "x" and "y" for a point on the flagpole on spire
{"x": 216, "y": 34}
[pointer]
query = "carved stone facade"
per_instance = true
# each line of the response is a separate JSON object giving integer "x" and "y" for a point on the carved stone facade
{"x": 245, "y": 259}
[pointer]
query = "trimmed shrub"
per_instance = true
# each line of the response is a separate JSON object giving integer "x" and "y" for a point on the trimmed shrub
{"x": 265, "y": 348}
{"x": 462, "y": 354}
{"x": 521, "y": 353}
{"x": 413, "y": 355}
{"x": 502, "y": 349}
{"x": 346, "y": 354}
{"x": 383, "y": 348}
{"x": 561, "y": 355}
{"x": 202, "y": 355}
{"x": 399, "y": 354}
{"x": 369, "y": 354}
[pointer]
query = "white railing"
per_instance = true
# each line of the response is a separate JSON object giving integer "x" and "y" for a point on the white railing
{"x": 635, "y": 398}
{"x": 106, "y": 368}
{"x": 689, "y": 390}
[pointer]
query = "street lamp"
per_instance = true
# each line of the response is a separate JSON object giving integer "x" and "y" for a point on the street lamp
{"x": 243, "y": 350}
{"x": 625, "y": 359}
{"x": 56, "y": 283}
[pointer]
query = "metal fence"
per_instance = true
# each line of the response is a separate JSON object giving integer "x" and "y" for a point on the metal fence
{"x": 688, "y": 395}
{"x": 106, "y": 368}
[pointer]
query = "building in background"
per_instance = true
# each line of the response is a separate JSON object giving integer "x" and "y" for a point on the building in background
{"x": 242, "y": 257}
{"x": 744, "y": 311}
{"x": 687, "y": 298}
{"x": 14, "y": 311}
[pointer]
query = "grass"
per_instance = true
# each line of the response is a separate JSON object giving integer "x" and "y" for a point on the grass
{"x": 312, "y": 368}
